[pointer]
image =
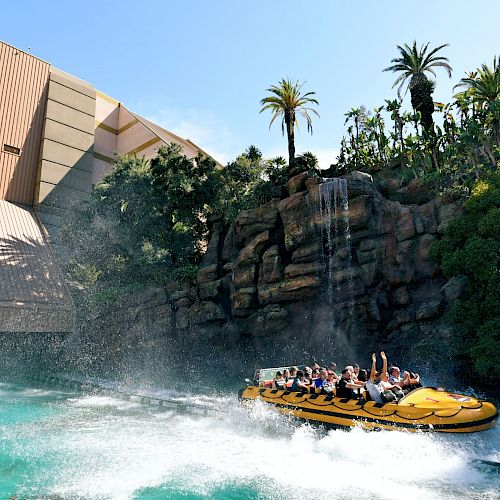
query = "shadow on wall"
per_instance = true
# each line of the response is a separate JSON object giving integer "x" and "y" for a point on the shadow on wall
{"x": 61, "y": 188}
{"x": 31, "y": 274}
{"x": 21, "y": 187}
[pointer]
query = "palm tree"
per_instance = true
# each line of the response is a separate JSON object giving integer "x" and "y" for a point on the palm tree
{"x": 286, "y": 102}
{"x": 484, "y": 83}
{"x": 414, "y": 63}
{"x": 483, "y": 87}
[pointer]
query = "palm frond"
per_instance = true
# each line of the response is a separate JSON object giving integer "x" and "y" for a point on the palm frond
{"x": 414, "y": 61}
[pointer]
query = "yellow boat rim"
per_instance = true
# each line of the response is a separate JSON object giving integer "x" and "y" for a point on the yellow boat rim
{"x": 424, "y": 409}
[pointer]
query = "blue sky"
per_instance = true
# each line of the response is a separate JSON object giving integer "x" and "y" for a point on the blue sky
{"x": 199, "y": 68}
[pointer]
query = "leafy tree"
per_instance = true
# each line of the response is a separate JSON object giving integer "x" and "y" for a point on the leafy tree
{"x": 143, "y": 220}
{"x": 237, "y": 181}
{"x": 457, "y": 153}
{"x": 114, "y": 235}
{"x": 188, "y": 190}
{"x": 272, "y": 183}
{"x": 484, "y": 83}
{"x": 286, "y": 102}
{"x": 358, "y": 117}
{"x": 413, "y": 64}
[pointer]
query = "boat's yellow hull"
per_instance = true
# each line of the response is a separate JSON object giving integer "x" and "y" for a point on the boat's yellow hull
{"x": 425, "y": 409}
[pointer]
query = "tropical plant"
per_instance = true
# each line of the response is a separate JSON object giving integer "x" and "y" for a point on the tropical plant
{"x": 413, "y": 64}
{"x": 143, "y": 220}
{"x": 236, "y": 183}
{"x": 358, "y": 117}
{"x": 286, "y": 102}
{"x": 483, "y": 88}
{"x": 188, "y": 189}
{"x": 484, "y": 83}
{"x": 471, "y": 248}
{"x": 272, "y": 183}
{"x": 307, "y": 161}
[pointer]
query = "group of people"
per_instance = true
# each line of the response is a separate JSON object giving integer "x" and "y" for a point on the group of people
{"x": 383, "y": 386}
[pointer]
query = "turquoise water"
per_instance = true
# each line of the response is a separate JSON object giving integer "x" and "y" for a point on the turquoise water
{"x": 58, "y": 444}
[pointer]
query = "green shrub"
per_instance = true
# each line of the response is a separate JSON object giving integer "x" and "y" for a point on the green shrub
{"x": 489, "y": 225}
{"x": 485, "y": 350}
{"x": 182, "y": 274}
{"x": 471, "y": 247}
{"x": 460, "y": 229}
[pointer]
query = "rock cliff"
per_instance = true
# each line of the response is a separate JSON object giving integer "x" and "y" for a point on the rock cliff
{"x": 298, "y": 277}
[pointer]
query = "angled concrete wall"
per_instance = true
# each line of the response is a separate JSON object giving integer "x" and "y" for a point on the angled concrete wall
{"x": 66, "y": 158}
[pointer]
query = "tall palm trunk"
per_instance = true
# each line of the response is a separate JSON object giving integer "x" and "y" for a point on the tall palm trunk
{"x": 421, "y": 99}
{"x": 289, "y": 121}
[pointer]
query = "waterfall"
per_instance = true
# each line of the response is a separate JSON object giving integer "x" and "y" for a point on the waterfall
{"x": 333, "y": 202}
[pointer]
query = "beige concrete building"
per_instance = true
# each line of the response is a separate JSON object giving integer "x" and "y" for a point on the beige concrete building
{"x": 58, "y": 138}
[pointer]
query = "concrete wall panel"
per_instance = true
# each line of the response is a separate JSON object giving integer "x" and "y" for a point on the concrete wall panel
{"x": 106, "y": 111}
{"x": 73, "y": 178}
{"x": 72, "y": 82}
{"x": 101, "y": 170}
{"x": 105, "y": 143}
{"x": 64, "y": 114}
{"x": 66, "y": 155}
{"x": 133, "y": 137}
{"x": 68, "y": 135}
{"x": 60, "y": 196}
{"x": 72, "y": 98}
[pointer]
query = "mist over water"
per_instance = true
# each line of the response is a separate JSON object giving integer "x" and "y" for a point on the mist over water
{"x": 73, "y": 446}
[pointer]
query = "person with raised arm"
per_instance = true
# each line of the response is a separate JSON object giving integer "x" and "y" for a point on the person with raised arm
{"x": 390, "y": 392}
{"x": 384, "y": 376}
{"x": 373, "y": 384}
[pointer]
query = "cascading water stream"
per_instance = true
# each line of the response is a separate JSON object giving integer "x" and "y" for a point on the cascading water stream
{"x": 333, "y": 204}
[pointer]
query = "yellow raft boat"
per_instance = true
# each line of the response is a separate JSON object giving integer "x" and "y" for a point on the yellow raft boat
{"x": 424, "y": 409}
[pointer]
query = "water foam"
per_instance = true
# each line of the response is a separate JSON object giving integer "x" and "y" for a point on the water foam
{"x": 99, "y": 447}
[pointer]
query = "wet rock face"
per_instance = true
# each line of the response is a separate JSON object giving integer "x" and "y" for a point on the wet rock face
{"x": 267, "y": 274}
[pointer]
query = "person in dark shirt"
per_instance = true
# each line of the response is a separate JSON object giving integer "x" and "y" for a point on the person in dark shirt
{"x": 345, "y": 386}
{"x": 299, "y": 383}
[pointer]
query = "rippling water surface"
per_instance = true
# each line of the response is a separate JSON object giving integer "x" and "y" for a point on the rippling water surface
{"x": 61, "y": 445}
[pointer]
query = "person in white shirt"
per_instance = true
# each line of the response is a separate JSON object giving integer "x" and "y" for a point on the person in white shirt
{"x": 378, "y": 382}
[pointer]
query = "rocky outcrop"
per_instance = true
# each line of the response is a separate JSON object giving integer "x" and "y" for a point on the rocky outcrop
{"x": 267, "y": 274}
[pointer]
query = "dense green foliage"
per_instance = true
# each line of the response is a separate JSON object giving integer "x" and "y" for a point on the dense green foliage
{"x": 471, "y": 248}
{"x": 143, "y": 219}
{"x": 147, "y": 222}
{"x": 459, "y": 159}
{"x": 249, "y": 181}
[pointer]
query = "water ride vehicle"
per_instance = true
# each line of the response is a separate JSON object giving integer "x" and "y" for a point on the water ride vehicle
{"x": 423, "y": 409}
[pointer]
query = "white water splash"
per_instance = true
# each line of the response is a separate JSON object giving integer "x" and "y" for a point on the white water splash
{"x": 95, "y": 447}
